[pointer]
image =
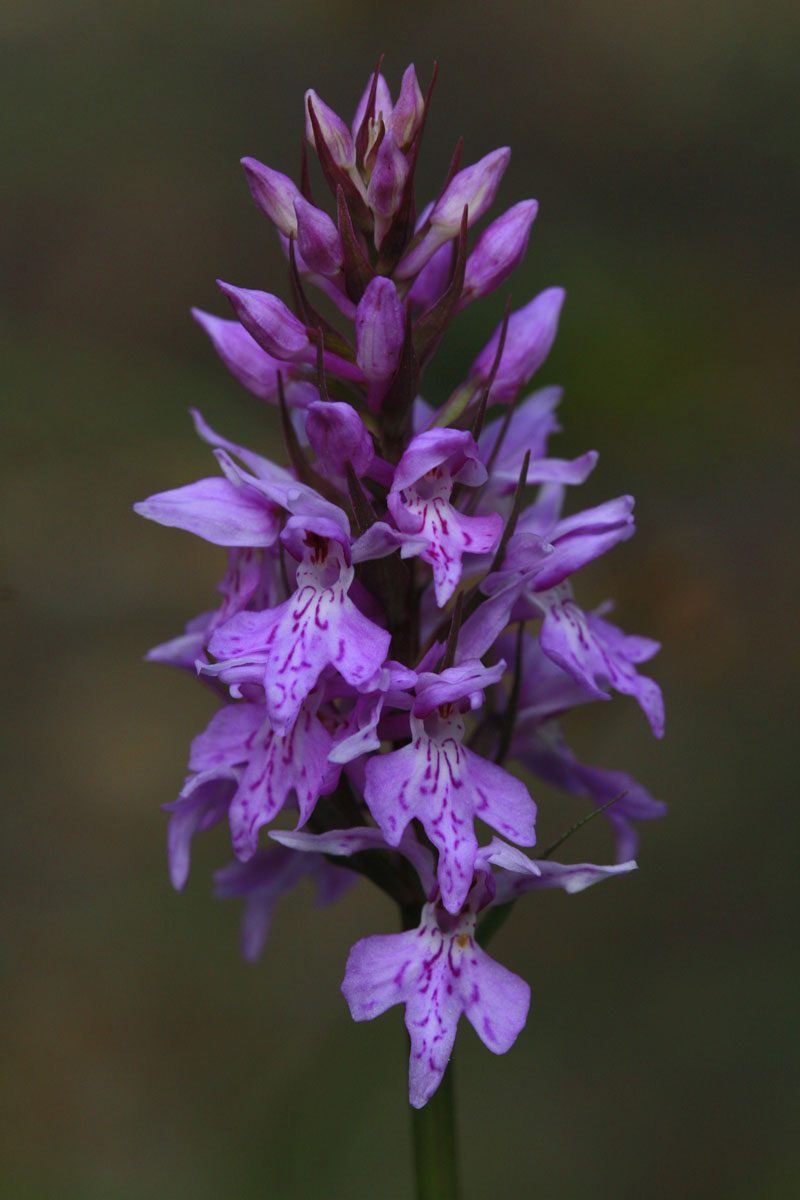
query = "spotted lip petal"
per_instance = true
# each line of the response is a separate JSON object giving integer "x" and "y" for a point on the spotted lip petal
{"x": 438, "y": 973}
{"x": 447, "y": 533}
{"x": 278, "y": 766}
{"x": 317, "y": 626}
{"x": 239, "y": 743}
{"x": 445, "y": 785}
{"x": 420, "y": 504}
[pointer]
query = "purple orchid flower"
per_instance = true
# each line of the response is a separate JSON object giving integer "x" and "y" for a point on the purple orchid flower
{"x": 546, "y": 693}
{"x": 498, "y": 252}
{"x": 420, "y": 503}
{"x": 443, "y": 784}
{"x": 274, "y": 193}
{"x": 438, "y": 972}
{"x": 595, "y": 652}
{"x": 269, "y": 767}
{"x": 318, "y": 625}
{"x": 380, "y": 329}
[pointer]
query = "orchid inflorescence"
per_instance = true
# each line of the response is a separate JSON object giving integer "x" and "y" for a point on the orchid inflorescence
{"x": 397, "y": 617}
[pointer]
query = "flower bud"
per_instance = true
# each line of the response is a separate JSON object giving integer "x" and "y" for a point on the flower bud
{"x": 380, "y": 329}
{"x": 269, "y": 321}
{"x": 337, "y": 435}
{"x": 278, "y": 331}
{"x": 498, "y": 251}
{"x": 433, "y": 278}
{"x": 252, "y": 366}
{"x": 407, "y": 113}
{"x": 335, "y": 133}
{"x": 274, "y": 194}
{"x": 383, "y": 104}
{"x": 318, "y": 239}
{"x": 474, "y": 188}
{"x": 529, "y": 336}
{"x": 388, "y": 178}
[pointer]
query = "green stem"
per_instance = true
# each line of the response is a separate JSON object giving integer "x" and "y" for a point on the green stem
{"x": 434, "y": 1134}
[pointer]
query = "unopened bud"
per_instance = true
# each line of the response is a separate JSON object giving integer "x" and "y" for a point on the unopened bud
{"x": 529, "y": 336}
{"x": 334, "y": 132}
{"x": 383, "y": 104}
{"x": 433, "y": 278}
{"x": 337, "y": 435}
{"x": 380, "y": 329}
{"x": 252, "y": 366}
{"x": 388, "y": 178}
{"x": 498, "y": 251}
{"x": 407, "y": 113}
{"x": 474, "y": 188}
{"x": 274, "y": 194}
{"x": 269, "y": 321}
{"x": 318, "y": 239}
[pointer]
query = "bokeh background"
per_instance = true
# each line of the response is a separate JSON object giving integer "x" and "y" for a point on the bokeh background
{"x": 141, "y": 1057}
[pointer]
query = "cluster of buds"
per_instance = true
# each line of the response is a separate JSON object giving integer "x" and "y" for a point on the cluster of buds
{"x": 397, "y": 622}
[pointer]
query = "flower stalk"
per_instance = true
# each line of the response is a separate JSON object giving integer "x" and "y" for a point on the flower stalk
{"x": 435, "y": 1144}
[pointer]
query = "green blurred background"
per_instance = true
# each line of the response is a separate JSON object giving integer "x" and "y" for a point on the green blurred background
{"x": 141, "y": 1057}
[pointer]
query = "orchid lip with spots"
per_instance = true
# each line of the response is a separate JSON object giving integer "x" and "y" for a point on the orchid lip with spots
{"x": 399, "y": 639}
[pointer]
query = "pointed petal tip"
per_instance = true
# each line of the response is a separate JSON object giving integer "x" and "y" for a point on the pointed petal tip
{"x": 178, "y": 879}
{"x": 204, "y": 319}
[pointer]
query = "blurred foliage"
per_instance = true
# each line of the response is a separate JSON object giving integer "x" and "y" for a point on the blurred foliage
{"x": 141, "y": 1056}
